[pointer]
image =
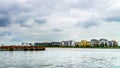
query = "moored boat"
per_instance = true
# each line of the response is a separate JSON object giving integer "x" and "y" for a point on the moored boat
{"x": 22, "y": 48}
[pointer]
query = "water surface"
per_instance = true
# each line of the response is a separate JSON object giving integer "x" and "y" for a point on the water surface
{"x": 61, "y": 58}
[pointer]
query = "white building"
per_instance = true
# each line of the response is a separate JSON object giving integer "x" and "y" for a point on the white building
{"x": 112, "y": 43}
{"x": 68, "y": 43}
{"x": 103, "y": 42}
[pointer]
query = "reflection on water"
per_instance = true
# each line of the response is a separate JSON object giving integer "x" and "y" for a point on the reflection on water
{"x": 61, "y": 58}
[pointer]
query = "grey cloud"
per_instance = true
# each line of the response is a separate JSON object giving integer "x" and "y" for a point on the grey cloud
{"x": 10, "y": 8}
{"x": 7, "y": 13}
{"x": 45, "y": 7}
{"x": 40, "y": 8}
{"x": 10, "y": 11}
{"x": 113, "y": 19}
{"x": 87, "y": 24}
{"x": 4, "y": 19}
{"x": 24, "y": 25}
{"x": 22, "y": 19}
{"x": 5, "y": 33}
{"x": 57, "y": 30}
{"x": 40, "y": 21}
{"x": 112, "y": 16}
{"x": 13, "y": 9}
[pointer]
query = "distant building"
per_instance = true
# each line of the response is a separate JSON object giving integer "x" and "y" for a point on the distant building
{"x": 2, "y": 44}
{"x": 68, "y": 43}
{"x": 43, "y": 44}
{"x": 77, "y": 44}
{"x": 84, "y": 43}
{"x": 103, "y": 43}
{"x": 47, "y": 43}
{"x": 112, "y": 43}
{"x": 56, "y": 43}
{"x": 94, "y": 42}
{"x": 38, "y": 44}
{"x": 26, "y": 44}
{"x": 115, "y": 43}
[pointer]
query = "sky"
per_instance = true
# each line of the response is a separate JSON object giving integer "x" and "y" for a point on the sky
{"x": 57, "y": 20}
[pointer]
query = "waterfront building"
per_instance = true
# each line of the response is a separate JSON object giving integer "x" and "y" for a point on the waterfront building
{"x": 112, "y": 43}
{"x": 115, "y": 43}
{"x": 94, "y": 43}
{"x": 56, "y": 43}
{"x": 68, "y": 43}
{"x": 26, "y": 44}
{"x": 47, "y": 43}
{"x": 84, "y": 43}
{"x": 103, "y": 43}
{"x": 43, "y": 44}
{"x": 77, "y": 44}
{"x": 38, "y": 44}
{"x": 2, "y": 44}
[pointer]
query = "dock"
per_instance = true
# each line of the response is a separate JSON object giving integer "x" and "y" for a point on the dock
{"x": 22, "y": 48}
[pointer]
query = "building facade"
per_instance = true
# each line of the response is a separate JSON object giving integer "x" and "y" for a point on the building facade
{"x": 112, "y": 43}
{"x": 77, "y": 44}
{"x": 94, "y": 43}
{"x": 43, "y": 44}
{"x": 68, "y": 43}
{"x": 56, "y": 43}
{"x": 26, "y": 44}
{"x": 84, "y": 43}
{"x": 103, "y": 43}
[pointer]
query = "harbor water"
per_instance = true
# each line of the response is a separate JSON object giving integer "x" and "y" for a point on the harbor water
{"x": 61, "y": 58}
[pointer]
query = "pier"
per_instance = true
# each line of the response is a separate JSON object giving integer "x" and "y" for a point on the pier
{"x": 22, "y": 48}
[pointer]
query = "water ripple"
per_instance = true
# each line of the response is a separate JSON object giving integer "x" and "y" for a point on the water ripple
{"x": 61, "y": 58}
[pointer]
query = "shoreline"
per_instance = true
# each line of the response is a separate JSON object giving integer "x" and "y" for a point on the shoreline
{"x": 83, "y": 48}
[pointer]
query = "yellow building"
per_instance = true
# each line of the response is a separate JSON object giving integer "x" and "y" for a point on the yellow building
{"x": 84, "y": 43}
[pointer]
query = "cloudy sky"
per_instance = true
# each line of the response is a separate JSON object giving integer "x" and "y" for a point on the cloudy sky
{"x": 56, "y": 20}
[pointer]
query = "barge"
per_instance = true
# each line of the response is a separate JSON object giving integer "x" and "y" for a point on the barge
{"x": 22, "y": 48}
